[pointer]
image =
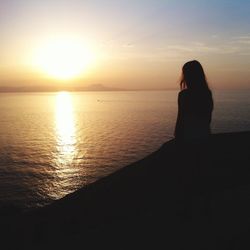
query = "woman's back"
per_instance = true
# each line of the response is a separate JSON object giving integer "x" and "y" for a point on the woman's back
{"x": 194, "y": 116}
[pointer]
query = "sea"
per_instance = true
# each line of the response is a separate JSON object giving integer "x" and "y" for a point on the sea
{"x": 52, "y": 144}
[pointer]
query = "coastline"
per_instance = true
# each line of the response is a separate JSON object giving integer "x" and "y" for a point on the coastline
{"x": 187, "y": 197}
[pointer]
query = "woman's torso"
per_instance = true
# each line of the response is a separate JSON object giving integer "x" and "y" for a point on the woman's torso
{"x": 196, "y": 111}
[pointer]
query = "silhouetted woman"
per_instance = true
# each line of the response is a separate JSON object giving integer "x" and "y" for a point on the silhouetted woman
{"x": 195, "y": 105}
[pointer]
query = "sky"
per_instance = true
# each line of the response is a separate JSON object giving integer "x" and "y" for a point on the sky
{"x": 133, "y": 44}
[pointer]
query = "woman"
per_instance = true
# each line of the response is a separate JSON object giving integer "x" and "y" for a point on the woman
{"x": 195, "y": 105}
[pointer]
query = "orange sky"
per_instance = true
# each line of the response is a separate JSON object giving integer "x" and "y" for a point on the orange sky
{"x": 133, "y": 44}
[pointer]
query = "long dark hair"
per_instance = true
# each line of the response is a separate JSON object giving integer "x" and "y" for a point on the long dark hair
{"x": 193, "y": 77}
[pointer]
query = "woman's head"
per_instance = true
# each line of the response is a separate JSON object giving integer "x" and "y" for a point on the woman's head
{"x": 193, "y": 76}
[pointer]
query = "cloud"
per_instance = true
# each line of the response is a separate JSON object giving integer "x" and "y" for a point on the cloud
{"x": 241, "y": 40}
{"x": 202, "y": 48}
{"x": 128, "y": 45}
{"x": 215, "y": 36}
{"x": 234, "y": 46}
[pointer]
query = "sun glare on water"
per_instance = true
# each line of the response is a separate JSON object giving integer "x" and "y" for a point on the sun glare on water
{"x": 65, "y": 128}
{"x": 63, "y": 58}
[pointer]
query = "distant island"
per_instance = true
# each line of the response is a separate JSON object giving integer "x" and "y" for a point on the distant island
{"x": 56, "y": 88}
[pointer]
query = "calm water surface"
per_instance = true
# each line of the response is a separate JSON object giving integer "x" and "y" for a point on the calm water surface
{"x": 54, "y": 143}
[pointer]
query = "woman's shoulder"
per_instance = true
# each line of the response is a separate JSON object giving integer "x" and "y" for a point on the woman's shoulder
{"x": 183, "y": 93}
{"x": 184, "y": 97}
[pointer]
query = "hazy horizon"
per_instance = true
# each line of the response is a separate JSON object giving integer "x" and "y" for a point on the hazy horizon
{"x": 98, "y": 88}
{"x": 119, "y": 44}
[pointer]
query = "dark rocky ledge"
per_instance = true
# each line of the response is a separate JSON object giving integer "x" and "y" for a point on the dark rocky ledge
{"x": 178, "y": 197}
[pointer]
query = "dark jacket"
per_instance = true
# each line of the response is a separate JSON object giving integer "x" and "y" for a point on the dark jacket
{"x": 194, "y": 115}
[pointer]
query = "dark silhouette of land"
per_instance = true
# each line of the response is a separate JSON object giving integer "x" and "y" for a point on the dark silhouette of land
{"x": 70, "y": 87}
{"x": 56, "y": 88}
{"x": 171, "y": 199}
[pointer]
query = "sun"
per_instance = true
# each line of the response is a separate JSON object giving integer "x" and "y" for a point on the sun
{"x": 63, "y": 58}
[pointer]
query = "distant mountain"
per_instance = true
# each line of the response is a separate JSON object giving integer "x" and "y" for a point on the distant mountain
{"x": 92, "y": 87}
{"x": 69, "y": 87}
{"x": 99, "y": 87}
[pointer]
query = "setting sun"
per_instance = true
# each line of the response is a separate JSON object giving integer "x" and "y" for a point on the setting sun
{"x": 63, "y": 58}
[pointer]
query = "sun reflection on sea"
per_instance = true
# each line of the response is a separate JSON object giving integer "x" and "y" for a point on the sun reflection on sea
{"x": 65, "y": 129}
{"x": 65, "y": 156}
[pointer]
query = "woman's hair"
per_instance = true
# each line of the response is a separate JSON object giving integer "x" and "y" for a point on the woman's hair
{"x": 193, "y": 76}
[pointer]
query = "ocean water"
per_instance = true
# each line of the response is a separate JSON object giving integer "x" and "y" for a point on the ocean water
{"x": 54, "y": 143}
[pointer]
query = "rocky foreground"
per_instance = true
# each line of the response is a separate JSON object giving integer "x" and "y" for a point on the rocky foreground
{"x": 179, "y": 197}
